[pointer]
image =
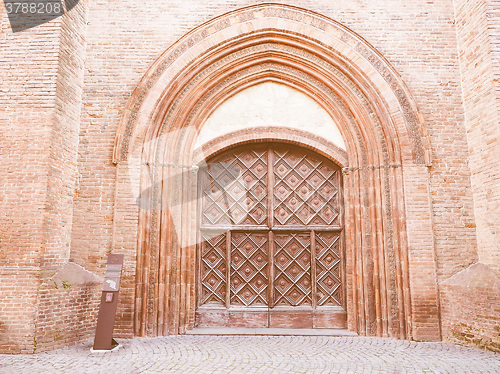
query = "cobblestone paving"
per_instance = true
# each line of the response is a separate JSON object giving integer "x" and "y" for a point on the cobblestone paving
{"x": 259, "y": 354}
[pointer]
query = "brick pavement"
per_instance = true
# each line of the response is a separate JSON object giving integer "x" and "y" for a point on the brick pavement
{"x": 259, "y": 354}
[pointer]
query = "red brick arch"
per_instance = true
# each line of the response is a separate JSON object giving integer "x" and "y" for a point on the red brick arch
{"x": 267, "y": 134}
{"x": 390, "y": 258}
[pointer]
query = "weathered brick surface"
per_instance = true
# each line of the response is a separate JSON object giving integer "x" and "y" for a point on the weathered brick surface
{"x": 471, "y": 308}
{"x": 67, "y": 308}
{"x": 18, "y": 288}
{"x": 423, "y": 273}
{"x": 476, "y": 321}
{"x": 478, "y": 26}
{"x": 64, "y": 86}
{"x": 40, "y": 101}
{"x": 27, "y": 103}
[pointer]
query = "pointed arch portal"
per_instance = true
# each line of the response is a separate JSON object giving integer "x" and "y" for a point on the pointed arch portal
{"x": 390, "y": 287}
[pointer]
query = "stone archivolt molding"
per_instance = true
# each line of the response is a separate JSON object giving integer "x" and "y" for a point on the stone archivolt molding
{"x": 215, "y": 39}
{"x": 377, "y": 117}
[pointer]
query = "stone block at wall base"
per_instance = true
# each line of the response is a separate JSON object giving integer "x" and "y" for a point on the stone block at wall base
{"x": 470, "y": 308}
{"x": 68, "y": 307}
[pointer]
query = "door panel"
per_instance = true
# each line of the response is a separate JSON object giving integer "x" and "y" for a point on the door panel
{"x": 234, "y": 189}
{"x": 252, "y": 318}
{"x": 305, "y": 190}
{"x": 213, "y": 270}
{"x": 292, "y": 274}
{"x": 271, "y": 252}
{"x": 291, "y": 319}
{"x": 249, "y": 274}
{"x": 328, "y": 272}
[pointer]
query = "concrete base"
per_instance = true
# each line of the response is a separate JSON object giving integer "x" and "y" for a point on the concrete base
{"x": 115, "y": 348}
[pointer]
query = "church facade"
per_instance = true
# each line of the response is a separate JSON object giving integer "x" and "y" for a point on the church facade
{"x": 315, "y": 164}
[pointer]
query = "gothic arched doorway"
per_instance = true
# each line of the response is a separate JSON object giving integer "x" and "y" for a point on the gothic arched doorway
{"x": 390, "y": 265}
{"x": 271, "y": 252}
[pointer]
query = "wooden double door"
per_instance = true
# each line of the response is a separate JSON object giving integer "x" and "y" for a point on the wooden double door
{"x": 271, "y": 248}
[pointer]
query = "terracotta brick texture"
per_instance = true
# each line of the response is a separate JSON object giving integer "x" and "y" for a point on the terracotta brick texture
{"x": 478, "y": 35}
{"x": 64, "y": 87}
{"x": 42, "y": 71}
{"x": 476, "y": 290}
{"x": 67, "y": 308}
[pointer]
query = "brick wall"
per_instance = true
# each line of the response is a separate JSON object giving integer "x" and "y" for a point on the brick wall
{"x": 50, "y": 191}
{"x": 476, "y": 322}
{"x": 28, "y": 78}
{"x": 67, "y": 308}
{"x": 40, "y": 101}
{"x": 64, "y": 130}
{"x": 18, "y": 287}
{"x": 478, "y": 35}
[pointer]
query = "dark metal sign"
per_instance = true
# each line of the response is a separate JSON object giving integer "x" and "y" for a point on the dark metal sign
{"x": 109, "y": 301}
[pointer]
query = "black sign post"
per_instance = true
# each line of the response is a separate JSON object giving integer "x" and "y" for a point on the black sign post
{"x": 109, "y": 301}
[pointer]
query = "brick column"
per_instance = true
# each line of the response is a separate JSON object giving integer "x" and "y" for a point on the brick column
{"x": 421, "y": 254}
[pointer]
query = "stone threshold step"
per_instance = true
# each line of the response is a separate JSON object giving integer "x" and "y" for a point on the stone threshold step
{"x": 269, "y": 331}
